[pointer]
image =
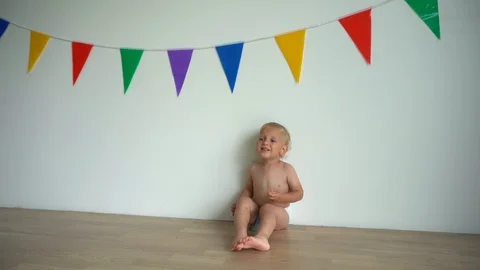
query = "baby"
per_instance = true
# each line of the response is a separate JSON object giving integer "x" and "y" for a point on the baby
{"x": 271, "y": 186}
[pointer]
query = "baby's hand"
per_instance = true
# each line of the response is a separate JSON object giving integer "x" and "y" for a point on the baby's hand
{"x": 274, "y": 196}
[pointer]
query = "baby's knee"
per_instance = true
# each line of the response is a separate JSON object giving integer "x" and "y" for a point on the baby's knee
{"x": 244, "y": 202}
{"x": 267, "y": 208}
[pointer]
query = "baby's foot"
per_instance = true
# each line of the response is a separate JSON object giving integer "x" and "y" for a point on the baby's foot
{"x": 256, "y": 242}
{"x": 237, "y": 242}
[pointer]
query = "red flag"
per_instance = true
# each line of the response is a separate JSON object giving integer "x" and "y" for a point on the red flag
{"x": 80, "y": 52}
{"x": 359, "y": 27}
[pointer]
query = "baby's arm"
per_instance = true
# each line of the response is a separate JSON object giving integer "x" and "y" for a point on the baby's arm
{"x": 295, "y": 189}
{"x": 248, "y": 189}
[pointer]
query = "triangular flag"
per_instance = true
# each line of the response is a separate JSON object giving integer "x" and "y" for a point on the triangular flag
{"x": 80, "y": 53}
{"x": 130, "y": 60}
{"x": 230, "y": 56}
{"x": 38, "y": 42}
{"x": 3, "y": 26}
{"x": 359, "y": 27}
{"x": 179, "y": 63}
{"x": 292, "y": 46}
{"x": 427, "y": 10}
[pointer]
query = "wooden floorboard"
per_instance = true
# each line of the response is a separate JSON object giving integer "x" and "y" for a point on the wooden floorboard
{"x": 34, "y": 239}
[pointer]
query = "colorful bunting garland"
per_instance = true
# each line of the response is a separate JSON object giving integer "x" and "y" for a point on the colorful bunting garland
{"x": 358, "y": 27}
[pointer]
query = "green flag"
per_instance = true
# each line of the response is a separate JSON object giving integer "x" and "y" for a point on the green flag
{"x": 130, "y": 60}
{"x": 427, "y": 10}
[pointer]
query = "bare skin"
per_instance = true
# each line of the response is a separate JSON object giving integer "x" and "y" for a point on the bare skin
{"x": 271, "y": 187}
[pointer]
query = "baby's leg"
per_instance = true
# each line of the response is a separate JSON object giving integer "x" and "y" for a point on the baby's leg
{"x": 246, "y": 212}
{"x": 272, "y": 218}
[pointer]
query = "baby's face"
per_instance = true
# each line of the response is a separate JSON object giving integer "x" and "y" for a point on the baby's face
{"x": 271, "y": 143}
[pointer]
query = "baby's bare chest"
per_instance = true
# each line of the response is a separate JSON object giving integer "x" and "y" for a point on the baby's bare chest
{"x": 264, "y": 180}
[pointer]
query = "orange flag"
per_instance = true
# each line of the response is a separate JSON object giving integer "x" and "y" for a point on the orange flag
{"x": 292, "y": 46}
{"x": 38, "y": 42}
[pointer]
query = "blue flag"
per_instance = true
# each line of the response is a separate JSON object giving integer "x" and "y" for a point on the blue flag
{"x": 230, "y": 56}
{"x": 3, "y": 26}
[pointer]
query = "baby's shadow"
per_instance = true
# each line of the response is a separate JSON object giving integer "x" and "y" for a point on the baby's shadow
{"x": 247, "y": 154}
{"x": 244, "y": 157}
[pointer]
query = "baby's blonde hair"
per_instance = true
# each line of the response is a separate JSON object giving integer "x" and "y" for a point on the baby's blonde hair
{"x": 282, "y": 128}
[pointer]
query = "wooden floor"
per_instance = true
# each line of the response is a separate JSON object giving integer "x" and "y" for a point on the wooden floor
{"x": 68, "y": 240}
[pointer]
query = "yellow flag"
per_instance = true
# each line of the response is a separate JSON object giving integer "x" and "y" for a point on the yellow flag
{"x": 38, "y": 41}
{"x": 292, "y": 47}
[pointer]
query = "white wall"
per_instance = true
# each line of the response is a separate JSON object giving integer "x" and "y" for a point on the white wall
{"x": 394, "y": 145}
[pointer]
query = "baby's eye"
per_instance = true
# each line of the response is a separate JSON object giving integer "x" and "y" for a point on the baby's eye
{"x": 272, "y": 140}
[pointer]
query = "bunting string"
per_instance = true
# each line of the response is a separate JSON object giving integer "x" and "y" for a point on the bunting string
{"x": 357, "y": 26}
{"x": 213, "y": 46}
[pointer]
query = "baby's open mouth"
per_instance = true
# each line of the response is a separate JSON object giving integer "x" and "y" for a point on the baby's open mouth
{"x": 263, "y": 149}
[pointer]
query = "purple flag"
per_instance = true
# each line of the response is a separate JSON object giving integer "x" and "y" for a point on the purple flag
{"x": 179, "y": 62}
